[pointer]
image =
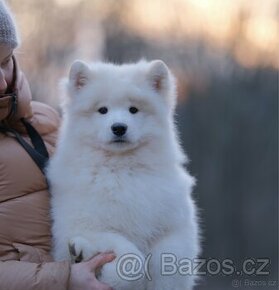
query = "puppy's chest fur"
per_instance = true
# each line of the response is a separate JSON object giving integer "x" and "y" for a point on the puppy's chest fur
{"x": 135, "y": 204}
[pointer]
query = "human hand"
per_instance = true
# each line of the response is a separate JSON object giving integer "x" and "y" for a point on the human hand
{"x": 83, "y": 275}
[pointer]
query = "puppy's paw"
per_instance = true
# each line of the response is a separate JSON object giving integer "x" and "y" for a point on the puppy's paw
{"x": 80, "y": 249}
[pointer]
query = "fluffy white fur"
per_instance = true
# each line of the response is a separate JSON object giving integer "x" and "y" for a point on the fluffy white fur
{"x": 132, "y": 196}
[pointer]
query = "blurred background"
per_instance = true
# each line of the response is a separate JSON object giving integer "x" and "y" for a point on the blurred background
{"x": 225, "y": 55}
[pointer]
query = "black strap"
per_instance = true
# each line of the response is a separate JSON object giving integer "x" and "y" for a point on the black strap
{"x": 36, "y": 139}
{"x": 39, "y": 153}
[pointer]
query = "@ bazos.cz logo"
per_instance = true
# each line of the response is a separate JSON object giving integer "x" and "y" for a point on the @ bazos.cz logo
{"x": 132, "y": 267}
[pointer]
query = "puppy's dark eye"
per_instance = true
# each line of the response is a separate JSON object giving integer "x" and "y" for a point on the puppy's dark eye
{"x": 103, "y": 110}
{"x": 133, "y": 110}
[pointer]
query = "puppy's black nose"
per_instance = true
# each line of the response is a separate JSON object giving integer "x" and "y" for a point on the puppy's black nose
{"x": 119, "y": 129}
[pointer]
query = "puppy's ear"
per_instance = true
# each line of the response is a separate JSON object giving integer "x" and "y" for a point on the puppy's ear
{"x": 159, "y": 77}
{"x": 79, "y": 74}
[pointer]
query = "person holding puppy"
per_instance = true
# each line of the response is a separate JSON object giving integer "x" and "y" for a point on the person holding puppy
{"x": 28, "y": 133}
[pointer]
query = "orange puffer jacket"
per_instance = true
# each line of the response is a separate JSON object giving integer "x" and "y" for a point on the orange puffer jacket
{"x": 25, "y": 237}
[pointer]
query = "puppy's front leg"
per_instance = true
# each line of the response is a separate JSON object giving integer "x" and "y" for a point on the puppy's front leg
{"x": 166, "y": 257}
{"x": 81, "y": 249}
{"x": 84, "y": 247}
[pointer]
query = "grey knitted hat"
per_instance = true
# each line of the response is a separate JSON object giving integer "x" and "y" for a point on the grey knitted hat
{"x": 8, "y": 30}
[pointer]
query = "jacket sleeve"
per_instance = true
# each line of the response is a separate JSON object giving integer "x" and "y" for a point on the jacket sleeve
{"x": 18, "y": 275}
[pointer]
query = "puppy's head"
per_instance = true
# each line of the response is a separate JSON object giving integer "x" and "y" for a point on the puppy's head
{"x": 120, "y": 107}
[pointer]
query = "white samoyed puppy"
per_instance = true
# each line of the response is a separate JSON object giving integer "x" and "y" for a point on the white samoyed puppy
{"x": 117, "y": 177}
